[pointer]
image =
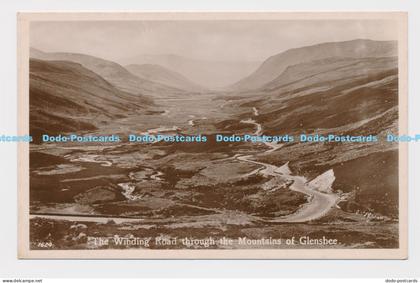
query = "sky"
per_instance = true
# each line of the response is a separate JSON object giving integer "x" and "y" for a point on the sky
{"x": 205, "y": 40}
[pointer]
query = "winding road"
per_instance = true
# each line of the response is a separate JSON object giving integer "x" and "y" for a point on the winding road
{"x": 318, "y": 204}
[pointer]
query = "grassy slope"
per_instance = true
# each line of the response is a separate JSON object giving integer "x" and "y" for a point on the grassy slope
{"x": 66, "y": 97}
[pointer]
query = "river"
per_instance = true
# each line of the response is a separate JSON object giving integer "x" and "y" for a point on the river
{"x": 318, "y": 204}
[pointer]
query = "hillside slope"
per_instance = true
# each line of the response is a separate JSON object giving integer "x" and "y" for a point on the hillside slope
{"x": 66, "y": 97}
{"x": 340, "y": 96}
{"x": 277, "y": 64}
{"x": 110, "y": 71}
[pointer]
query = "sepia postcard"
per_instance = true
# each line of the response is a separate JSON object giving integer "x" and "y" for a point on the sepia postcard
{"x": 213, "y": 135}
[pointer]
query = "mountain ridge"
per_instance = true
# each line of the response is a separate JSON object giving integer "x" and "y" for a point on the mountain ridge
{"x": 209, "y": 74}
{"x": 111, "y": 71}
{"x": 163, "y": 75}
{"x": 275, "y": 65}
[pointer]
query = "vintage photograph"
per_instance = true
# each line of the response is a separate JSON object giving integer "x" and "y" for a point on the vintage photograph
{"x": 212, "y": 135}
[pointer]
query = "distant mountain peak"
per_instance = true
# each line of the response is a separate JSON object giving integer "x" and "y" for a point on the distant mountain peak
{"x": 211, "y": 74}
{"x": 163, "y": 75}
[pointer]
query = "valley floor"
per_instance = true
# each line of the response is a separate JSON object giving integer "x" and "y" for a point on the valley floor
{"x": 176, "y": 191}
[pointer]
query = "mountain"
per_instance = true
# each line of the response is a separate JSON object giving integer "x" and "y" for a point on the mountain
{"x": 339, "y": 96}
{"x": 330, "y": 69}
{"x": 210, "y": 74}
{"x": 110, "y": 71}
{"x": 67, "y": 97}
{"x": 323, "y": 94}
{"x": 277, "y": 64}
{"x": 162, "y": 75}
